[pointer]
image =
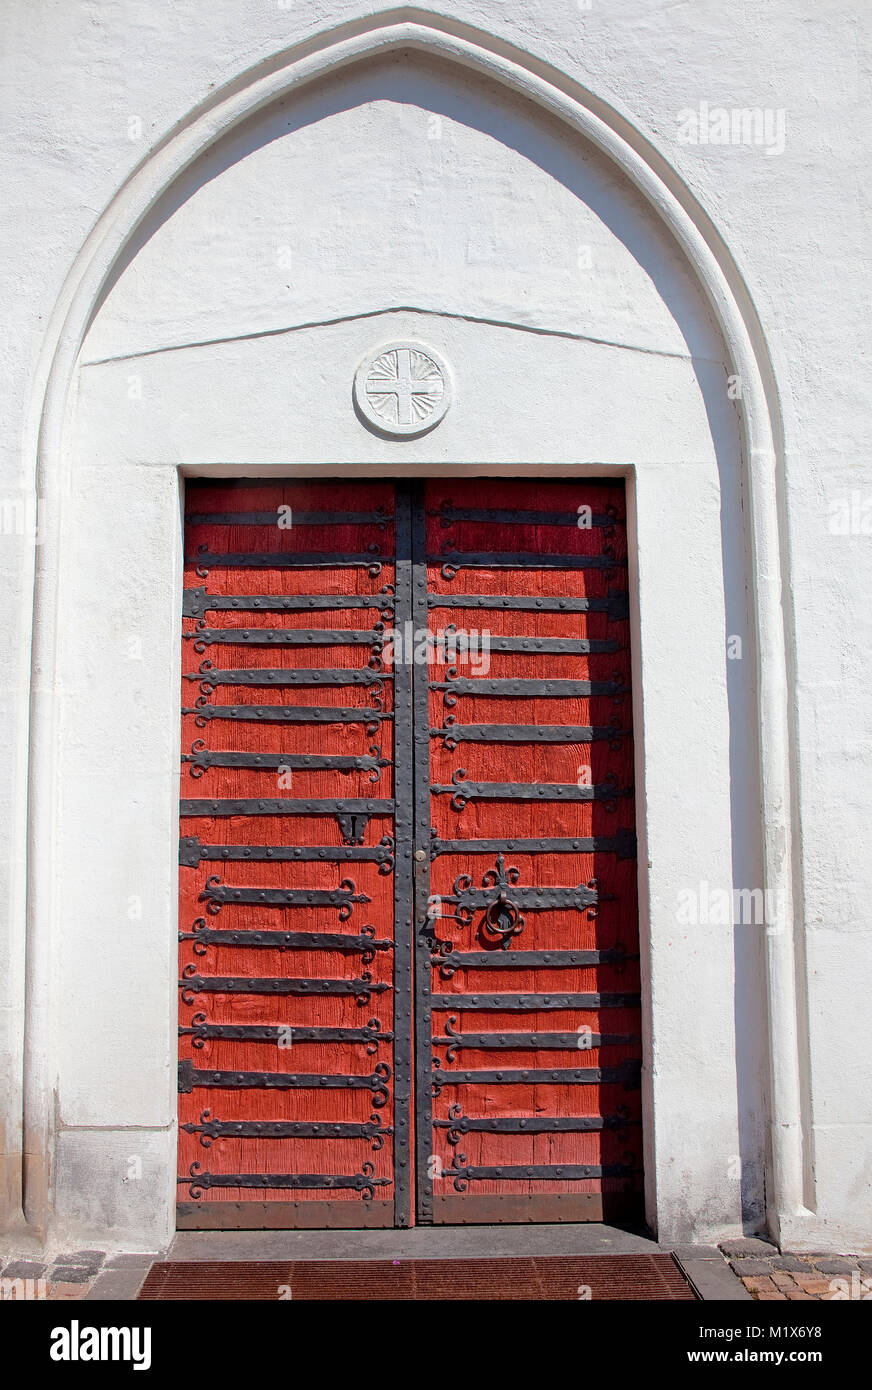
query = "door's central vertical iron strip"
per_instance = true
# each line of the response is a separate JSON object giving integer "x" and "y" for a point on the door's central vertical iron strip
{"x": 403, "y": 893}
{"x": 423, "y": 1029}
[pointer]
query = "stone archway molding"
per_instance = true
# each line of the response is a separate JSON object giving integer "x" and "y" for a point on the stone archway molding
{"x": 703, "y": 248}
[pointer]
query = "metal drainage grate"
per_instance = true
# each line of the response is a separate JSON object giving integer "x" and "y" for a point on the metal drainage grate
{"x": 553, "y": 1277}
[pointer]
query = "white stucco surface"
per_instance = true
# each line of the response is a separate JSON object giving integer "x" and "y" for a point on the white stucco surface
{"x": 406, "y": 197}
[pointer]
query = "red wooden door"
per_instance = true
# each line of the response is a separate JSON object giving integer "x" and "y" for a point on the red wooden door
{"x": 329, "y": 744}
{"x": 294, "y": 1070}
{"x": 530, "y": 1035}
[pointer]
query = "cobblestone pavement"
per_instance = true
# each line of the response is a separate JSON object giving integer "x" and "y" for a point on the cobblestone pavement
{"x": 767, "y": 1274}
{"x": 77, "y": 1275}
{"x": 772, "y": 1276}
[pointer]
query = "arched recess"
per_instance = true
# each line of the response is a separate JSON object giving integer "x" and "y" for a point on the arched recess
{"x": 109, "y": 247}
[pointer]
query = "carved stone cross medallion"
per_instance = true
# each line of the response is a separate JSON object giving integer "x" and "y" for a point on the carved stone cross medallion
{"x": 403, "y": 389}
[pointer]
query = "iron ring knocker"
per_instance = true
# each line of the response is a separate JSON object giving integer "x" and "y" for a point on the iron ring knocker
{"x": 502, "y": 919}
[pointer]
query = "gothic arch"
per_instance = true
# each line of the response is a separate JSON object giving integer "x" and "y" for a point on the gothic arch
{"x": 700, "y": 244}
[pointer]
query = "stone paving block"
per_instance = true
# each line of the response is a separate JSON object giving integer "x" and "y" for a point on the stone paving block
{"x": 66, "y": 1291}
{"x": 71, "y": 1274}
{"x": 791, "y": 1262}
{"x": 757, "y": 1282}
{"x": 117, "y": 1285}
{"x": 765, "y": 1297}
{"x": 797, "y": 1295}
{"x": 750, "y": 1267}
{"x": 24, "y": 1269}
{"x": 748, "y": 1245}
{"x": 835, "y": 1265}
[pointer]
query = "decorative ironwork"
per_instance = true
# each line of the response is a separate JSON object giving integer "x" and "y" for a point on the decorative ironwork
{"x": 216, "y": 894}
{"x": 626, "y": 1075}
{"x": 528, "y": 1042}
{"x": 192, "y": 853}
{"x": 623, "y": 844}
{"x": 532, "y": 1003}
{"x": 364, "y": 942}
{"x": 201, "y": 759}
{"x": 458, "y": 1124}
{"x": 284, "y": 806}
{"x": 196, "y": 602}
{"x": 616, "y": 605}
{"x": 205, "y": 559}
{"x": 557, "y": 646}
{"x": 204, "y": 637}
{"x": 536, "y": 1172}
{"x": 210, "y": 677}
{"x": 192, "y": 984}
{"x": 453, "y": 733}
{"x": 289, "y": 714}
{"x": 298, "y": 517}
{"x": 505, "y": 516}
{"x": 209, "y": 1129}
{"x": 200, "y": 1032}
{"x": 461, "y": 792}
{"x": 515, "y": 560}
{"x": 191, "y": 1078}
{"x": 450, "y": 962}
{"x": 558, "y": 689}
{"x": 362, "y": 1182}
{"x": 496, "y": 883}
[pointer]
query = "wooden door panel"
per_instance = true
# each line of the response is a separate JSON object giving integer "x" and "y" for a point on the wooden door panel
{"x": 287, "y": 1076}
{"x": 318, "y": 768}
{"x": 547, "y": 1128}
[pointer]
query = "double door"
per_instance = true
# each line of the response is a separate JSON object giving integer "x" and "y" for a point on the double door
{"x": 409, "y": 976}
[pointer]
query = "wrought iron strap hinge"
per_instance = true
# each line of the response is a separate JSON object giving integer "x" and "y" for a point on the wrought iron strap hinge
{"x": 626, "y": 1075}
{"x": 450, "y": 962}
{"x": 362, "y": 1182}
{"x": 294, "y": 515}
{"x": 623, "y": 844}
{"x": 458, "y": 1124}
{"x": 584, "y": 1040}
{"x": 452, "y": 561}
{"x": 288, "y": 714}
{"x": 461, "y": 791}
{"x": 365, "y": 942}
{"x": 192, "y": 984}
{"x": 201, "y": 759}
{"x": 557, "y": 646}
{"x": 505, "y": 516}
{"x": 190, "y": 1078}
{"x": 192, "y": 853}
{"x": 215, "y": 894}
{"x": 453, "y": 733}
{"x": 210, "y": 676}
{"x": 535, "y": 1172}
{"x": 285, "y": 637}
{"x": 371, "y": 1034}
{"x": 285, "y": 806}
{"x": 197, "y": 602}
{"x": 209, "y": 1129}
{"x": 206, "y": 559}
{"x": 460, "y": 686}
{"x": 531, "y": 1003}
{"x": 616, "y": 606}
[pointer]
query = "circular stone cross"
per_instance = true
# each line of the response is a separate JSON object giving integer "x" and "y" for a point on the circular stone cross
{"x": 402, "y": 389}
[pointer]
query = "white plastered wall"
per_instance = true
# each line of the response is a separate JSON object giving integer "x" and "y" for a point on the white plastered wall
{"x": 579, "y": 345}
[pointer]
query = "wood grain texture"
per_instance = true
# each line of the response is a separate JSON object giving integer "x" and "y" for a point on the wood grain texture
{"x": 571, "y": 763}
